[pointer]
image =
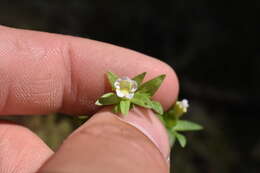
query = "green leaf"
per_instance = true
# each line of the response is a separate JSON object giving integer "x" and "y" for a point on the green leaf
{"x": 161, "y": 118}
{"x": 108, "y": 99}
{"x": 151, "y": 86}
{"x": 139, "y": 78}
{"x": 181, "y": 139}
{"x": 172, "y": 138}
{"x": 142, "y": 100}
{"x": 183, "y": 125}
{"x": 116, "y": 108}
{"x": 170, "y": 122}
{"x": 112, "y": 78}
{"x": 124, "y": 106}
{"x": 157, "y": 107}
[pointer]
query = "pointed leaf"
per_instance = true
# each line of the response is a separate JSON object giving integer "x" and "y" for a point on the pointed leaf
{"x": 181, "y": 139}
{"x": 151, "y": 86}
{"x": 108, "y": 99}
{"x": 183, "y": 125}
{"x": 124, "y": 106}
{"x": 139, "y": 78}
{"x": 142, "y": 100}
{"x": 157, "y": 107}
{"x": 112, "y": 78}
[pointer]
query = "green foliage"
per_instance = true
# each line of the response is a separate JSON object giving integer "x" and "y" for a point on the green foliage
{"x": 116, "y": 109}
{"x": 112, "y": 78}
{"x": 181, "y": 139}
{"x": 142, "y": 97}
{"x": 173, "y": 124}
{"x": 108, "y": 99}
{"x": 157, "y": 107}
{"x": 139, "y": 78}
{"x": 183, "y": 125}
{"x": 124, "y": 106}
{"x": 151, "y": 86}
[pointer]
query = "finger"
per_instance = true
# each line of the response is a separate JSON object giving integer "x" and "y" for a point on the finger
{"x": 107, "y": 144}
{"x": 42, "y": 73}
{"x": 20, "y": 150}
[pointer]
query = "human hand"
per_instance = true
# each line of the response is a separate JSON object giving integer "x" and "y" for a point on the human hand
{"x": 42, "y": 73}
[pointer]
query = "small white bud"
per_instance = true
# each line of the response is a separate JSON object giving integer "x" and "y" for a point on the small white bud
{"x": 183, "y": 105}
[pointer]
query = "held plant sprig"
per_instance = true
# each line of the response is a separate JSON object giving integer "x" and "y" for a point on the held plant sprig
{"x": 129, "y": 92}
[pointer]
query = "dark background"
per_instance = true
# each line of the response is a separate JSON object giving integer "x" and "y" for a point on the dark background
{"x": 212, "y": 45}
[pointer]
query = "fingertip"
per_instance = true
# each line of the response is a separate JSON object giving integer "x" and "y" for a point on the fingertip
{"x": 21, "y": 150}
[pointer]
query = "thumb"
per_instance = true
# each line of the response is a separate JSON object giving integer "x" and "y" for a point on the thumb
{"x": 147, "y": 122}
{"x": 109, "y": 143}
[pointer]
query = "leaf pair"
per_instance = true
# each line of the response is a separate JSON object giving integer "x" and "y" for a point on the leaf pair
{"x": 174, "y": 125}
{"x": 182, "y": 125}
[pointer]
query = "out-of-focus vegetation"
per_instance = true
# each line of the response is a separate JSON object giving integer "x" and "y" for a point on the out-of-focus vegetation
{"x": 211, "y": 44}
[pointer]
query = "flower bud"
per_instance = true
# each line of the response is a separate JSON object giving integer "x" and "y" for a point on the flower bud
{"x": 179, "y": 108}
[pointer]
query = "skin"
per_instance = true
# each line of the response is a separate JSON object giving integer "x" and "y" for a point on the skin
{"x": 43, "y": 73}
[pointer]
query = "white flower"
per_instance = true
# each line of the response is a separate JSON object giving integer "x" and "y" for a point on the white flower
{"x": 183, "y": 105}
{"x": 125, "y": 87}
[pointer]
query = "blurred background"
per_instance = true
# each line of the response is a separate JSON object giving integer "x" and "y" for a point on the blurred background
{"x": 211, "y": 44}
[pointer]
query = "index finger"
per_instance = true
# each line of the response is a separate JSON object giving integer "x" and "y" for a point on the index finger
{"x": 42, "y": 72}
